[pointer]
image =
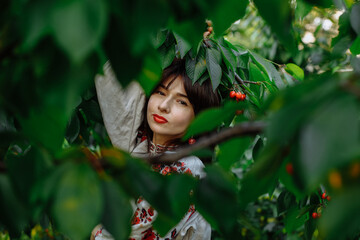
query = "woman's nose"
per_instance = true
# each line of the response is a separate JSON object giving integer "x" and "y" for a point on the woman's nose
{"x": 164, "y": 105}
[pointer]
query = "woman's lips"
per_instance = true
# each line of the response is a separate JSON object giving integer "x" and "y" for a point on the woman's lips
{"x": 159, "y": 119}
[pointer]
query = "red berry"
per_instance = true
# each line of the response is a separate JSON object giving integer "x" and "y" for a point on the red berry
{"x": 323, "y": 196}
{"x": 328, "y": 198}
{"x": 314, "y": 215}
{"x": 192, "y": 141}
{"x": 289, "y": 168}
{"x": 210, "y": 29}
{"x": 238, "y": 95}
{"x": 243, "y": 96}
{"x": 232, "y": 94}
{"x": 239, "y": 112}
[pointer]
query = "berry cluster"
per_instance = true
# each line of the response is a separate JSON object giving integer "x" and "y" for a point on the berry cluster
{"x": 238, "y": 95}
{"x": 209, "y": 29}
{"x": 317, "y": 214}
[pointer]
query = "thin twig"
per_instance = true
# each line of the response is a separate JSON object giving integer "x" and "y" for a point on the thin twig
{"x": 243, "y": 129}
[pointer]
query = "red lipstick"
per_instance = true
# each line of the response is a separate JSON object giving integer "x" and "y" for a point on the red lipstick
{"x": 159, "y": 119}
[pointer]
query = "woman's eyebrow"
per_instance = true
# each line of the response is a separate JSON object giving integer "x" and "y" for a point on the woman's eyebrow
{"x": 182, "y": 95}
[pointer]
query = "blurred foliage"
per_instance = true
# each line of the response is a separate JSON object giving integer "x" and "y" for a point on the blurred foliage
{"x": 297, "y": 62}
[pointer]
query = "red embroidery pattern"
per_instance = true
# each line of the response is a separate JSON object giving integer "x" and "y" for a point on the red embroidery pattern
{"x": 98, "y": 232}
{"x": 176, "y": 167}
{"x": 149, "y": 234}
{"x": 142, "y": 216}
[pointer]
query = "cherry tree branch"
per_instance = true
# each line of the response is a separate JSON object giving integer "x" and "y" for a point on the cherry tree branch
{"x": 243, "y": 129}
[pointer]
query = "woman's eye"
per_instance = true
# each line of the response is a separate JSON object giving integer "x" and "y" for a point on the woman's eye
{"x": 183, "y": 102}
{"x": 160, "y": 92}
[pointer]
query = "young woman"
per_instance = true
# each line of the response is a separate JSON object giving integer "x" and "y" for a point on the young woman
{"x": 151, "y": 126}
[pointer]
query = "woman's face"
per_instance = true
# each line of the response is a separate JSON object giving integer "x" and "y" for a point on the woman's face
{"x": 169, "y": 111}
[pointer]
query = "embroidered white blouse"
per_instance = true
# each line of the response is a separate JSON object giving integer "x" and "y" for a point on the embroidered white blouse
{"x": 122, "y": 111}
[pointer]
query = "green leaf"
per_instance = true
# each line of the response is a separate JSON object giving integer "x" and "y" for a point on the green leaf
{"x": 310, "y": 226}
{"x": 355, "y": 18}
{"x": 269, "y": 68}
{"x": 262, "y": 176}
{"x": 182, "y": 44}
{"x": 302, "y": 9}
{"x": 292, "y": 221}
{"x": 202, "y": 124}
{"x": 321, "y": 3}
{"x": 324, "y": 147}
{"x": 355, "y": 47}
{"x": 285, "y": 201}
{"x": 218, "y": 187}
{"x": 339, "y": 220}
{"x": 92, "y": 110}
{"x": 36, "y": 22}
{"x": 117, "y": 212}
{"x": 150, "y": 74}
{"x": 228, "y": 57}
{"x": 190, "y": 67}
{"x": 232, "y": 150}
{"x": 25, "y": 170}
{"x": 200, "y": 65}
{"x": 73, "y": 128}
{"x": 190, "y": 29}
{"x": 78, "y": 194}
{"x": 13, "y": 213}
{"x": 167, "y": 54}
{"x": 79, "y": 26}
{"x": 213, "y": 59}
{"x": 295, "y": 71}
{"x": 226, "y": 13}
{"x": 279, "y": 19}
{"x": 173, "y": 201}
{"x": 160, "y": 38}
{"x": 46, "y": 127}
{"x": 125, "y": 65}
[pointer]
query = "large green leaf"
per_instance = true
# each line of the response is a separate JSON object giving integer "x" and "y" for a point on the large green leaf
{"x": 339, "y": 220}
{"x": 117, "y": 211}
{"x": 182, "y": 44}
{"x": 78, "y": 203}
{"x": 202, "y": 124}
{"x": 79, "y": 26}
{"x": 297, "y": 102}
{"x": 355, "y": 17}
{"x": 295, "y": 71}
{"x": 13, "y": 213}
{"x": 228, "y": 56}
{"x": 232, "y": 150}
{"x": 173, "y": 201}
{"x": 321, "y": 3}
{"x": 25, "y": 169}
{"x": 226, "y": 13}
{"x": 200, "y": 65}
{"x": 324, "y": 147}
{"x": 213, "y": 59}
{"x": 269, "y": 69}
{"x": 150, "y": 74}
{"x": 279, "y": 19}
{"x": 117, "y": 48}
{"x": 218, "y": 187}
{"x": 36, "y": 22}
{"x": 355, "y": 47}
{"x": 262, "y": 176}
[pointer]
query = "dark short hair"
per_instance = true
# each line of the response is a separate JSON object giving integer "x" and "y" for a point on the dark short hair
{"x": 201, "y": 96}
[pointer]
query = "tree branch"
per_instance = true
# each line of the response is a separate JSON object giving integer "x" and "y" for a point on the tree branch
{"x": 242, "y": 82}
{"x": 243, "y": 129}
